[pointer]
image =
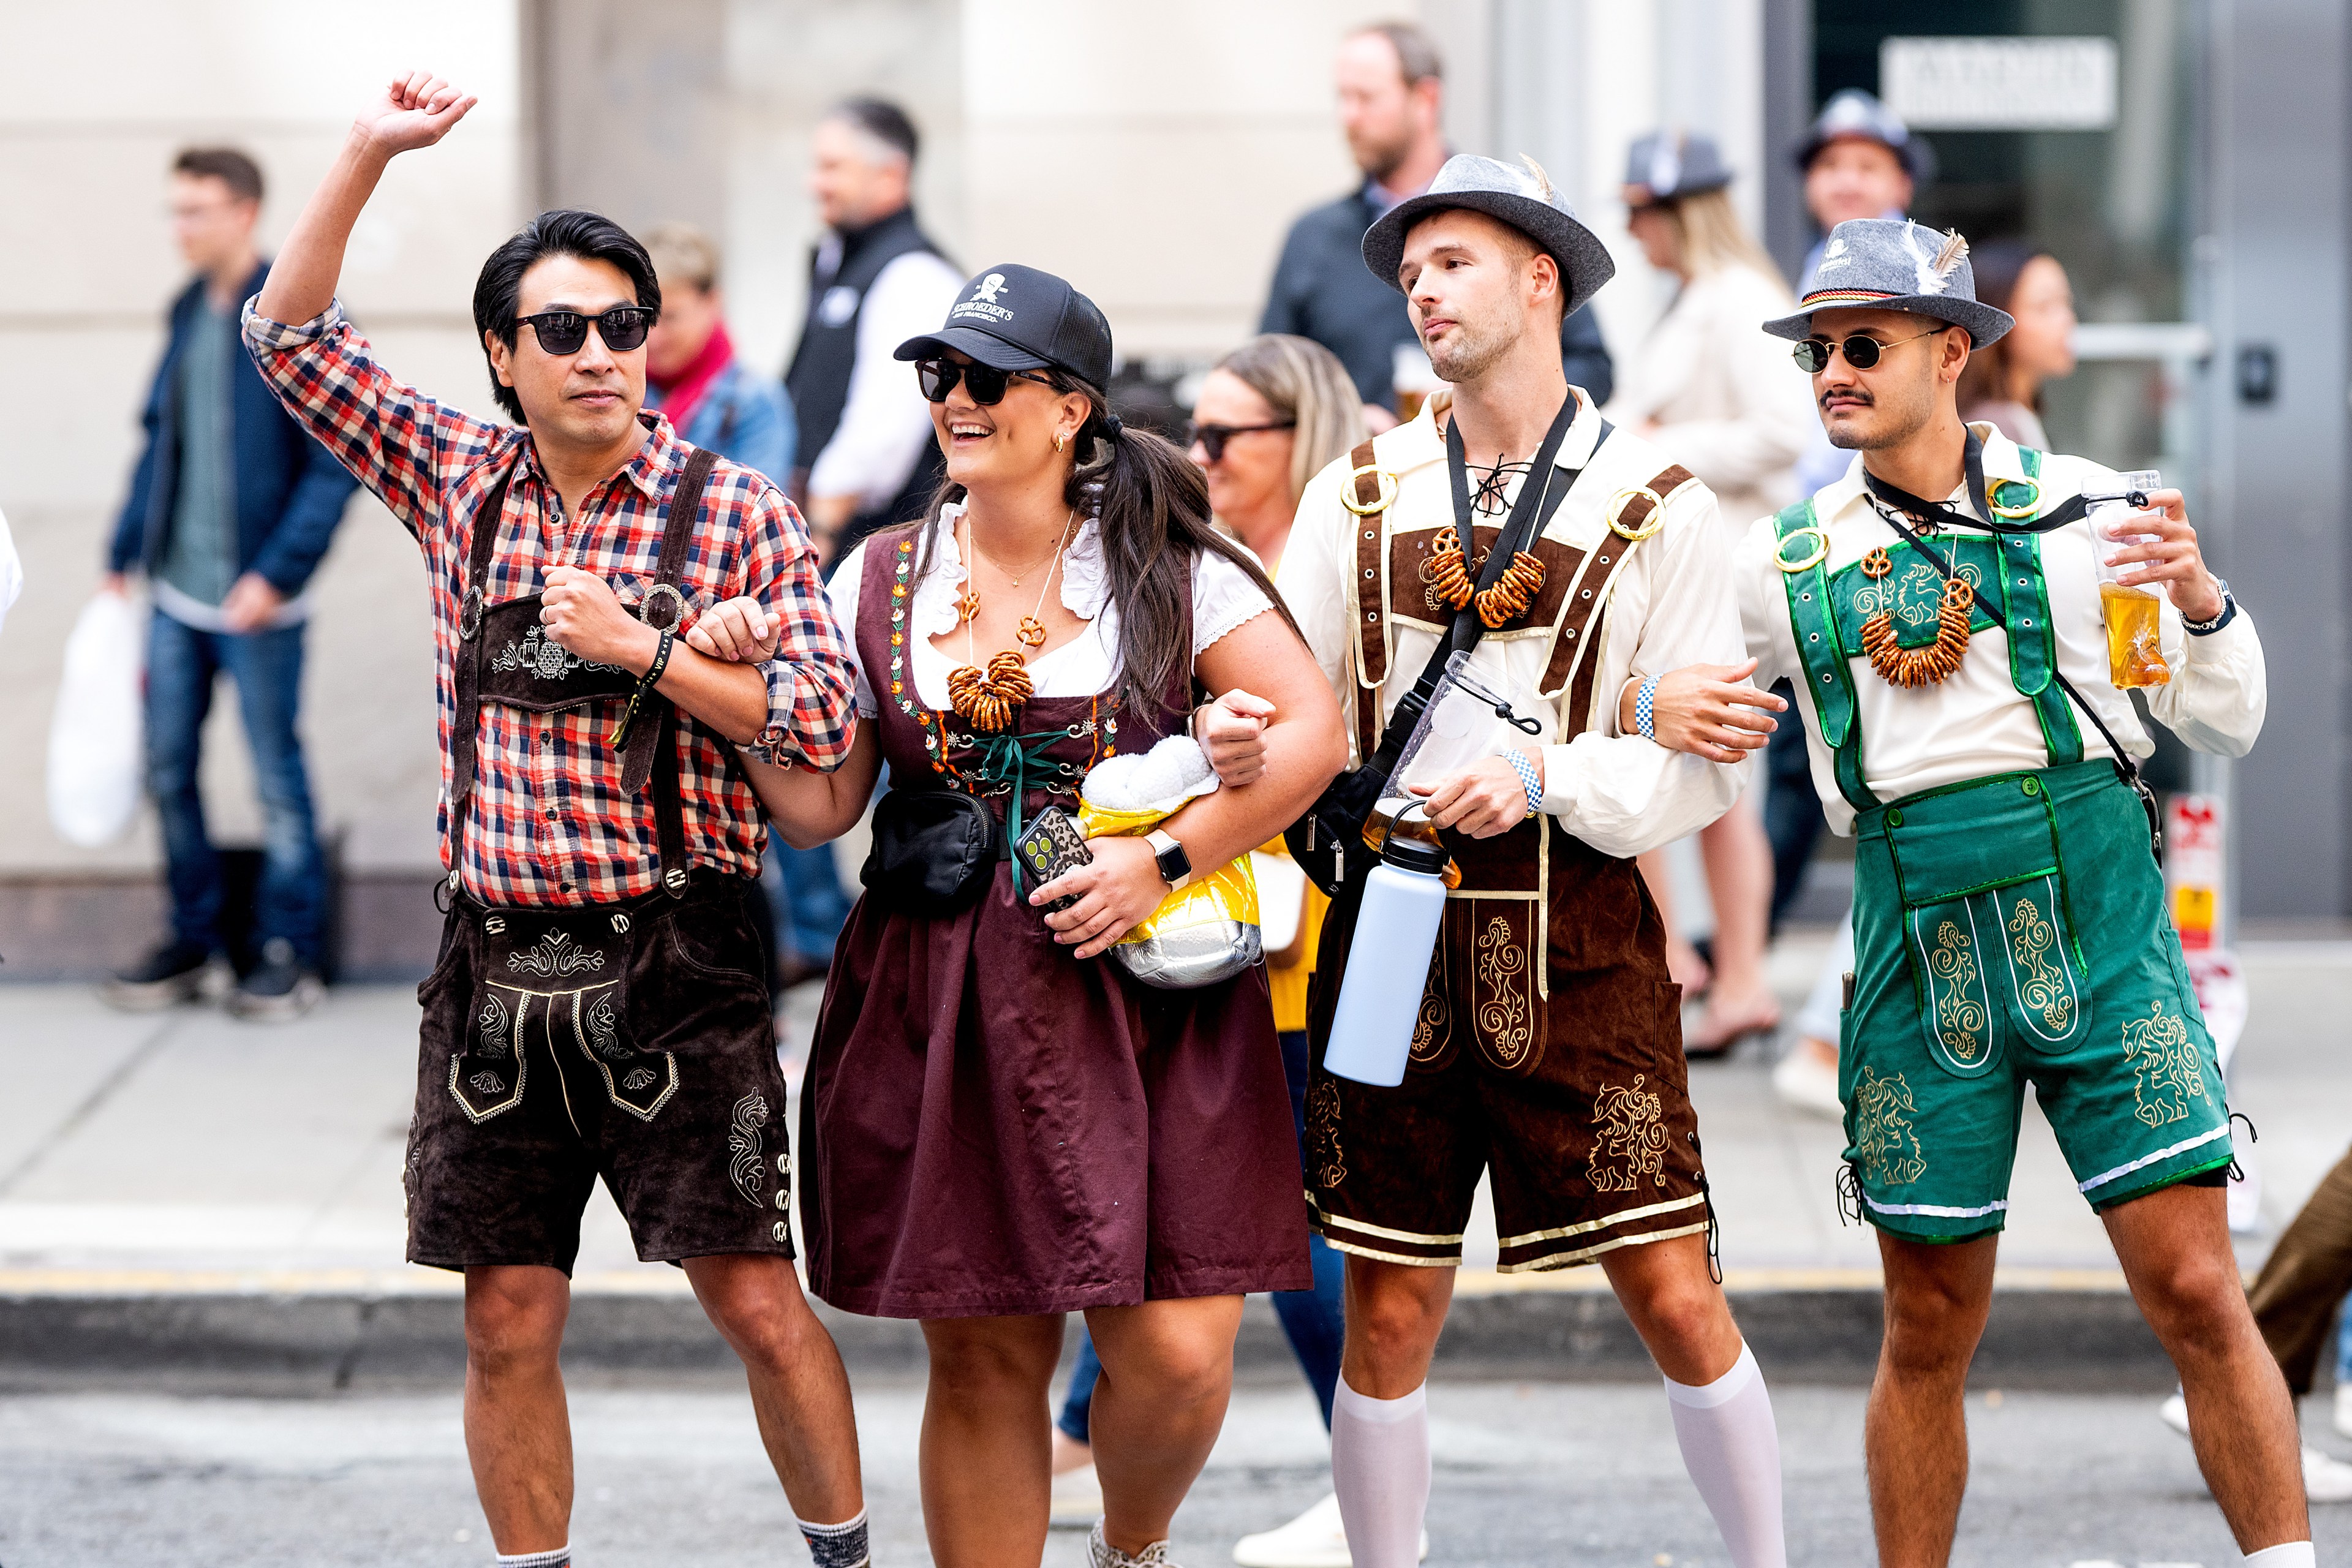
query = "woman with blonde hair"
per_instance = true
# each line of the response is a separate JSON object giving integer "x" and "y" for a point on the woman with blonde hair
{"x": 1268, "y": 417}
{"x": 1717, "y": 395}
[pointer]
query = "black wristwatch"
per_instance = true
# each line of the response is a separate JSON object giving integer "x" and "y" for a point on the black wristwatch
{"x": 1175, "y": 866}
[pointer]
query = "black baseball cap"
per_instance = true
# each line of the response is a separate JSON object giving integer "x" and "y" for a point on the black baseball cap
{"x": 1017, "y": 317}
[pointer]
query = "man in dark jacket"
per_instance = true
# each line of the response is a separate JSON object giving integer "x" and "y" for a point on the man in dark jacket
{"x": 1392, "y": 109}
{"x": 232, "y": 506}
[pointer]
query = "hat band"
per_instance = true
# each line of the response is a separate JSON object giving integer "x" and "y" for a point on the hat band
{"x": 1832, "y": 297}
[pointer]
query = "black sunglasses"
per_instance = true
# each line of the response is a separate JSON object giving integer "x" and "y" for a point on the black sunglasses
{"x": 623, "y": 327}
{"x": 1212, "y": 438}
{"x": 1813, "y": 355}
{"x": 986, "y": 384}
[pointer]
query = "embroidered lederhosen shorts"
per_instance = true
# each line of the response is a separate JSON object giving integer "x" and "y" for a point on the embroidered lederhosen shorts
{"x": 630, "y": 1041}
{"x": 2007, "y": 931}
{"x": 1552, "y": 1063}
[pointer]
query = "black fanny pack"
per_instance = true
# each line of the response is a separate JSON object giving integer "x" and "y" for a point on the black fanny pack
{"x": 935, "y": 851}
{"x": 1328, "y": 843}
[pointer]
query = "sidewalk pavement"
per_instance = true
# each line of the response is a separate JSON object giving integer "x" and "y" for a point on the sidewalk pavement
{"x": 156, "y": 1171}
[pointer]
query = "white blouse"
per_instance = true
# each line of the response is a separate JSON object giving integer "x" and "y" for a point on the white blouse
{"x": 1223, "y": 598}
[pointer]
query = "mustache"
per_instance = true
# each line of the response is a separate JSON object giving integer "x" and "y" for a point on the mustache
{"x": 1854, "y": 394}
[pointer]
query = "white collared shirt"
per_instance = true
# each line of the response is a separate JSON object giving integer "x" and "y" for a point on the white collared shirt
{"x": 1977, "y": 723}
{"x": 886, "y": 420}
{"x": 1672, "y": 607}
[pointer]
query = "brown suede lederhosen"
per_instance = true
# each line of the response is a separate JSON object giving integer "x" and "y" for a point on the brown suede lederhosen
{"x": 1548, "y": 1046}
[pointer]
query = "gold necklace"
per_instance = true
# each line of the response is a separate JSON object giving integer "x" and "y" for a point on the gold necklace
{"x": 1054, "y": 552}
{"x": 987, "y": 699}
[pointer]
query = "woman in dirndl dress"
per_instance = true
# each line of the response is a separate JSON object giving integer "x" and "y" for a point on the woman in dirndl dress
{"x": 998, "y": 1124}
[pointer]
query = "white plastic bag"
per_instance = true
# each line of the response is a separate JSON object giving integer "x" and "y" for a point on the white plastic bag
{"x": 94, "y": 738}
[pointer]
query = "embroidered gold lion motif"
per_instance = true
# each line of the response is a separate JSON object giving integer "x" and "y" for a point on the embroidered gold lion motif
{"x": 1959, "y": 1013}
{"x": 1630, "y": 1141}
{"x": 745, "y": 1168}
{"x": 1883, "y": 1139}
{"x": 1325, "y": 1165}
{"x": 2045, "y": 988}
{"x": 2171, "y": 1077}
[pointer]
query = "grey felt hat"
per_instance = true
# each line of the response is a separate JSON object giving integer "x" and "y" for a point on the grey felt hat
{"x": 1892, "y": 264}
{"x": 1522, "y": 197}
{"x": 1854, "y": 112}
{"x": 1666, "y": 164}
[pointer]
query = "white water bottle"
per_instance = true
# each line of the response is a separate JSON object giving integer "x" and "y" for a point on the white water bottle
{"x": 1387, "y": 963}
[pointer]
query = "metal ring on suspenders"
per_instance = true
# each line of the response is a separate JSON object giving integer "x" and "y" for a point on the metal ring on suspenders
{"x": 2031, "y": 509}
{"x": 1821, "y": 550}
{"x": 1386, "y": 499}
{"x": 1615, "y": 514}
{"x": 470, "y": 615}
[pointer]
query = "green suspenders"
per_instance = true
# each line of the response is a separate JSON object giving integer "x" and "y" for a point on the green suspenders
{"x": 2025, "y": 606}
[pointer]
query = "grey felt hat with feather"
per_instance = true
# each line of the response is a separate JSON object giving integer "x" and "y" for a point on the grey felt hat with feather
{"x": 1521, "y": 197}
{"x": 1894, "y": 264}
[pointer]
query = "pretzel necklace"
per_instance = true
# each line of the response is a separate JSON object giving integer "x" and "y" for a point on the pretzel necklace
{"x": 987, "y": 699}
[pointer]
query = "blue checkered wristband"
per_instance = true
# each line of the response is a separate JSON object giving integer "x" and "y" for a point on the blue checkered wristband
{"x": 1646, "y": 708}
{"x": 1530, "y": 778}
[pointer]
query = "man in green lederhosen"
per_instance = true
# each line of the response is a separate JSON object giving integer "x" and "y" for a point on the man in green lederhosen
{"x": 1940, "y": 606}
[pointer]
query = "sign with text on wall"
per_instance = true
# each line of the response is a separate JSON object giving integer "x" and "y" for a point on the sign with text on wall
{"x": 1999, "y": 84}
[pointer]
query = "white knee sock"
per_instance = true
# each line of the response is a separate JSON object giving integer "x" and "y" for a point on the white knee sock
{"x": 2291, "y": 1554}
{"x": 558, "y": 1558}
{"x": 839, "y": 1545}
{"x": 1732, "y": 1450}
{"x": 1380, "y": 1468}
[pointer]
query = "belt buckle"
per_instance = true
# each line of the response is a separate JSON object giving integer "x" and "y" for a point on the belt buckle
{"x": 663, "y": 592}
{"x": 470, "y": 615}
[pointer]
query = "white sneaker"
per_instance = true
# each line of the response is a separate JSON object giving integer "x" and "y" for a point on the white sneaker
{"x": 1076, "y": 1499}
{"x": 1316, "y": 1539}
{"x": 2344, "y": 1409}
{"x": 2326, "y": 1480}
{"x": 2174, "y": 1413}
{"x": 1806, "y": 1082}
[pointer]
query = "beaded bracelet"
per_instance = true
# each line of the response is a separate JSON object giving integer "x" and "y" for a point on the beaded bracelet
{"x": 1645, "y": 704}
{"x": 1530, "y": 779}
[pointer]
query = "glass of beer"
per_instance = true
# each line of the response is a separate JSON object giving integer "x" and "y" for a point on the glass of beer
{"x": 1414, "y": 379}
{"x": 2135, "y": 647}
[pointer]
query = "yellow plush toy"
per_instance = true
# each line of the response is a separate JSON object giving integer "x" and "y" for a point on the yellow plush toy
{"x": 1205, "y": 931}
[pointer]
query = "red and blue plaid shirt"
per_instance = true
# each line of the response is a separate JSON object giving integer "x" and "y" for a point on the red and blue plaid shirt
{"x": 548, "y": 822}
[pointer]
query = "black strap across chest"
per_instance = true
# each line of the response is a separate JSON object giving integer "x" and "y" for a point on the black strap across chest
{"x": 652, "y": 754}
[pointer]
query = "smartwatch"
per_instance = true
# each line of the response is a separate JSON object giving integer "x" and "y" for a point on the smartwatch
{"x": 1175, "y": 866}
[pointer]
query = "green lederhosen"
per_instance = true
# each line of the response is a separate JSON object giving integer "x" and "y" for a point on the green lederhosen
{"x": 2007, "y": 930}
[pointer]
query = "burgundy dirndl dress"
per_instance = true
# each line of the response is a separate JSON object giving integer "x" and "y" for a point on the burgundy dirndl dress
{"x": 990, "y": 1125}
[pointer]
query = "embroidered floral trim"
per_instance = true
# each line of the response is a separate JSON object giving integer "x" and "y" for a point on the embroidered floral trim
{"x": 745, "y": 1167}
{"x": 1960, "y": 1012}
{"x": 544, "y": 657}
{"x": 1505, "y": 1013}
{"x": 1326, "y": 1164}
{"x": 2045, "y": 988}
{"x": 555, "y": 956}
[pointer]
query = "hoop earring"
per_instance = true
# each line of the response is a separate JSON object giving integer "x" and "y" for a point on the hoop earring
{"x": 1060, "y": 441}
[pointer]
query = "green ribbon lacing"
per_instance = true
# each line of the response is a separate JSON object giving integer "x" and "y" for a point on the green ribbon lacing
{"x": 1006, "y": 760}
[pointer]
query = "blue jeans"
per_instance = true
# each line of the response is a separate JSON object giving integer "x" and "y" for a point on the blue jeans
{"x": 1312, "y": 1321}
{"x": 182, "y": 664}
{"x": 804, "y": 890}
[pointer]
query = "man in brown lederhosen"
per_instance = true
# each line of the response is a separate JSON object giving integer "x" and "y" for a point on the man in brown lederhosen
{"x": 600, "y": 1007}
{"x": 1547, "y": 1053}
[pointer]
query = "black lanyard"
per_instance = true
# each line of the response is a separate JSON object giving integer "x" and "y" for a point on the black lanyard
{"x": 1533, "y": 509}
{"x": 2073, "y": 510}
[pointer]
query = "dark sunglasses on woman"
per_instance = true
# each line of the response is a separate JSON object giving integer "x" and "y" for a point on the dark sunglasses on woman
{"x": 623, "y": 327}
{"x": 1813, "y": 355}
{"x": 986, "y": 384}
{"x": 1212, "y": 438}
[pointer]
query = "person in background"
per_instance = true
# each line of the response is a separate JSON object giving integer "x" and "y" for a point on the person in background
{"x": 715, "y": 400}
{"x": 1268, "y": 419}
{"x": 865, "y": 458}
{"x": 1717, "y": 397}
{"x": 1391, "y": 109}
{"x": 1859, "y": 160}
{"x": 232, "y": 507}
{"x": 2003, "y": 384}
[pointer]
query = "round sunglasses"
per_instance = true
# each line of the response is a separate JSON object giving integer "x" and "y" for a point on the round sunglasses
{"x": 1212, "y": 438}
{"x": 938, "y": 377}
{"x": 623, "y": 327}
{"x": 1813, "y": 355}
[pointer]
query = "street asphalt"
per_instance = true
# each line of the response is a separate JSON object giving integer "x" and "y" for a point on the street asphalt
{"x": 1528, "y": 1474}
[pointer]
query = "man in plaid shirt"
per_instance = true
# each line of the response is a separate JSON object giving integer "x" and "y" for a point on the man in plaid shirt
{"x": 600, "y": 838}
